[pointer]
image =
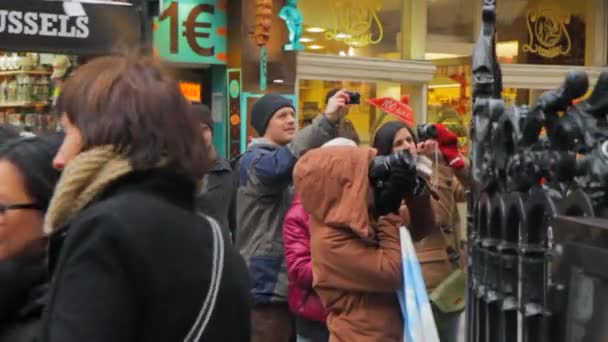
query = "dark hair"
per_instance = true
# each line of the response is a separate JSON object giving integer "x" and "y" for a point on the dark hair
{"x": 346, "y": 129}
{"x": 33, "y": 156}
{"x": 8, "y": 132}
{"x": 202, "y": 114}
{"x": 131, "y": 104}
{"x": 385, "y": 135}
{"x": 330, "y": 94}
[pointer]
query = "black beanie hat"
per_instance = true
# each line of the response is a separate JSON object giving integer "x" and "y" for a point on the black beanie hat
{"x": 203, "y": 115}
{"x": 385, "y": 135}
{"x": 264, "y": 108}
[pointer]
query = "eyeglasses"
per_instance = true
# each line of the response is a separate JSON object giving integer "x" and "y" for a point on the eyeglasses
{"x": 6, "y": 207}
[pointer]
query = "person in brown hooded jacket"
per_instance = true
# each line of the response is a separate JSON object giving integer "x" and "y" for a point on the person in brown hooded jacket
{"x": 356, "y": 258}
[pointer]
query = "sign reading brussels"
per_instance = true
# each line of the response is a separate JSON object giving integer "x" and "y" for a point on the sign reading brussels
{"x": 68, "y": 27}
{"x": 192, "y": 31}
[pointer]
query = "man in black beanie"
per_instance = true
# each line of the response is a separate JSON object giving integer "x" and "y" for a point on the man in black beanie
{"x": 264, "y": 195}
{"x": 217, "y": 188}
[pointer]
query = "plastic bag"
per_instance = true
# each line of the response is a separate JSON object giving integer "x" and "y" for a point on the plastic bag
{"x": 418, "y": 322}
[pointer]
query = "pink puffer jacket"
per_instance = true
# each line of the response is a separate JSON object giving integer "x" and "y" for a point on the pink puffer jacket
{"x": 303, "y": 301}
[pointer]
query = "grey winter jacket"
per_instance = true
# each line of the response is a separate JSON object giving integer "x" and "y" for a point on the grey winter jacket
{"x": 264, "y": 195}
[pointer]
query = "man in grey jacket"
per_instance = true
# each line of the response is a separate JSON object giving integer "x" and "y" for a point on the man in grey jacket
{"x": 264, "y": 194}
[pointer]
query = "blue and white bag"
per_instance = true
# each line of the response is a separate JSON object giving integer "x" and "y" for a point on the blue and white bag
{"x": 418, "y": 322}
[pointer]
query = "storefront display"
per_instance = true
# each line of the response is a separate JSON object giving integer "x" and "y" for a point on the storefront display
{"x": 26, "y": 90}
{"x": 35, "y": 37}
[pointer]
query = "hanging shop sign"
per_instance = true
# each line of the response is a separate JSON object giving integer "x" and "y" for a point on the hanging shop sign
{"x": 548, "y": 33}
{"x": 192, "y": 31}
{"x": 68, "y": 27}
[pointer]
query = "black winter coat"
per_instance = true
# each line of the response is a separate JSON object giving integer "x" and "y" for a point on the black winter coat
{"x": 135, "y": 265}
{"x": 215, "y": 197}
{"x": 22, "y": 293}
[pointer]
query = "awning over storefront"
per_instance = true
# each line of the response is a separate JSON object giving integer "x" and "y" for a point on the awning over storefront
{"x": 83, "y": 28}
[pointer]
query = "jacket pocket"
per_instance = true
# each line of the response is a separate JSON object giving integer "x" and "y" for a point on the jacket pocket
{"x": 435, "y": 267}
{"x": 264, "y": 273}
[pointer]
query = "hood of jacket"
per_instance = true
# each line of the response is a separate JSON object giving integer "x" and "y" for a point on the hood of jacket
{"x": 333, "y": 184}
{"x": 261, "y": 142}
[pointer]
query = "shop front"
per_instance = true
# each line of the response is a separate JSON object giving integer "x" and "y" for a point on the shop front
{"x": 424, "y": 49}
{"x": 360, "y": 46}
{"x": 538, "y": 42}
{"x": 261, "y": 60}
{"x": 372, "y": 78}
{"x": 41, "y": 41}
{"x": 190, "y": 37}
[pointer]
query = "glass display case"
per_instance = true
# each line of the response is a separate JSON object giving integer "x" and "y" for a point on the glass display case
{"x": 26, "y": 91}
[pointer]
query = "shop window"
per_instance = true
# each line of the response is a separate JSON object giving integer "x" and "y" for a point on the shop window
{"x": 363, "y": 28}
{"x": 365, "y": 118}
{"x": 27, "y": 89}
{"x": 451, "y": 28}
{"x": 449, "y": 99}
{"x": 553, "y": 32}
{"x": 545, "y": 32}
{"x": 454, "y": 18}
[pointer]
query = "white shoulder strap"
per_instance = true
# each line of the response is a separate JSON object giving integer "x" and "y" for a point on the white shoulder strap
{"x": 216, "y": 278}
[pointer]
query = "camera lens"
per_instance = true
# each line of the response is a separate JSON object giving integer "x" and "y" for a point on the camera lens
{"x": 426, "y": 132}
{"x": 382, "y": 166}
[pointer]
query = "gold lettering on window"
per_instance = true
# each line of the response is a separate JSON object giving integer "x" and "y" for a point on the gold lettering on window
{"x": 548, "y": 35}
{"x": 356, "y": 25}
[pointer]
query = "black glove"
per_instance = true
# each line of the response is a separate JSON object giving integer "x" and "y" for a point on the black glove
{"x": 402, "y": 182}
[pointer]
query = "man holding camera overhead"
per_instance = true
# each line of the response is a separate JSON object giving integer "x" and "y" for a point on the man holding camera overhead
{"x": 264, "y": 195}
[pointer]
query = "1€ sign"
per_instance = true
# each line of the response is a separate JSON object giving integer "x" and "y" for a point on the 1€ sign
{"x": 192, "y": 31}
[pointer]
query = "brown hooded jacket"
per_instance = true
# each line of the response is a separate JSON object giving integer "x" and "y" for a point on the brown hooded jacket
{"x": 439, "y": 253}
{"x": 356, "y": 262}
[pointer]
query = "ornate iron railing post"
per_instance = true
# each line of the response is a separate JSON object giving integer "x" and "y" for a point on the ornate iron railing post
{"x": 530, "y": 166}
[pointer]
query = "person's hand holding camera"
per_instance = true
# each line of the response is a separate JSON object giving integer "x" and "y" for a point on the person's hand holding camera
{"x": 429, "y": 148}
{"x": 337, "y": 106}
{"x": 448, "y": 145}
{"x": 388, "y": 200}
{"x": 402, "y": 182}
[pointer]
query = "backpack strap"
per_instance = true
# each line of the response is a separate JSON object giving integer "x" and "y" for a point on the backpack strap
{"x": 204, "y": 316}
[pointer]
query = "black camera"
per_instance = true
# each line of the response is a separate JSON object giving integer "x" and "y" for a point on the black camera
{"x": 353, "y": 97}
{"x": 426, "y": 132}
{"x": 382, "y": 167}
{"x": 389, "y": 191}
